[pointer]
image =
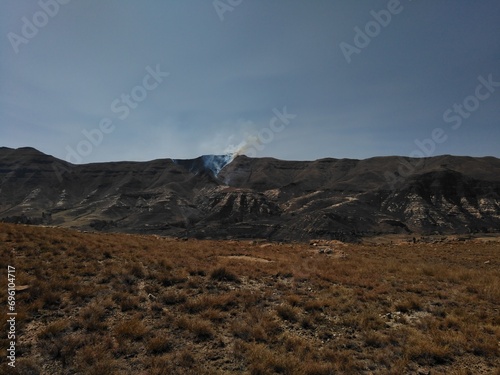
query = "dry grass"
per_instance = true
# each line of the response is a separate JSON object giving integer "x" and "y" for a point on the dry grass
{"x": 120, "y": 304}
{"x": 222, "y": 274}
{"x": 132, "y": 329}
{"x": 160, "y": 344}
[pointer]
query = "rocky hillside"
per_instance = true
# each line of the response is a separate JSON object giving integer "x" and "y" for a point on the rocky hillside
{"x": 218, "y": 197}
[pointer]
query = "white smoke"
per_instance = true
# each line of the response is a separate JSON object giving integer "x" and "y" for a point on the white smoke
{"x": 246, "y": 137}
{"x": 216, "y": 163}
{"x": 246, "y": 147}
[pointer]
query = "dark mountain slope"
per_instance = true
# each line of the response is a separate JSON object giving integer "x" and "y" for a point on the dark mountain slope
{"x": 215, "y": 196}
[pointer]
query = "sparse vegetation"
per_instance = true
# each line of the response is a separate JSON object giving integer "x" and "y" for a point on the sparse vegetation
{"x": 159, "y": 344}
{"x": 117, "y": 304}
{"x": 222, "y": 274}
{"x": 132, "y": 329}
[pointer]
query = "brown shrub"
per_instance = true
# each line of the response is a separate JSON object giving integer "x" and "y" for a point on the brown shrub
{"x": 137, "y": 270}
{"x": 222, "y": 274}
{"x": 409, "y": 304}
{"x": 51, "y": 299}
{"x": 286, "y": 312}
{"x": 314, "y": 368}
{"x": 54, "y": 329}
{"x": 128, "y": 303}
{"x": 132, "y": 329}
{"x": 426, "y": 351}
{"x": 173, "y": 297}
{"x": 159, "y": 345}
{"x": 27, "y": 366}
{"x": 91, "y": 360}
{"x": 171, "y": 278}
{"x": 91, "y": 318}
{"x": 202, "y": 329}
{"x": 375, "y": 339}
{"x": 265, "y": 361}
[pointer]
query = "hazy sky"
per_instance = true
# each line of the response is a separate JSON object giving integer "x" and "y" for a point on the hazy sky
{"x": 184, "y": 78}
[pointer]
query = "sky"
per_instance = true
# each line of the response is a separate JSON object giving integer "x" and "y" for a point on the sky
{"x": 109, "y": 80}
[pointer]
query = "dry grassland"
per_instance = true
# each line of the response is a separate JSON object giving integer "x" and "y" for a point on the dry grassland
{"x": 131, "y": 304}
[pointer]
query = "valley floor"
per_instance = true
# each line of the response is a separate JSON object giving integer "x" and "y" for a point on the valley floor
{"x": 90, "y": 303}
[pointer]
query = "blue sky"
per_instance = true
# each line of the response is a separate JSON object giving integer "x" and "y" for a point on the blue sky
{"x": 234, "y": 64}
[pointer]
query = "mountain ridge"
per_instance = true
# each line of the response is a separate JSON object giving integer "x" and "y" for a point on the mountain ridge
{"x": 221, "y": 196}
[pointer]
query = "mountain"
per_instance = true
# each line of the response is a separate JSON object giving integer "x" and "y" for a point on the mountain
{"x": 218, "y": 196}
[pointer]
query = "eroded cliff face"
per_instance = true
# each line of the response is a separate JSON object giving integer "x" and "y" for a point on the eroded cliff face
{"x": 216, "y": 196}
